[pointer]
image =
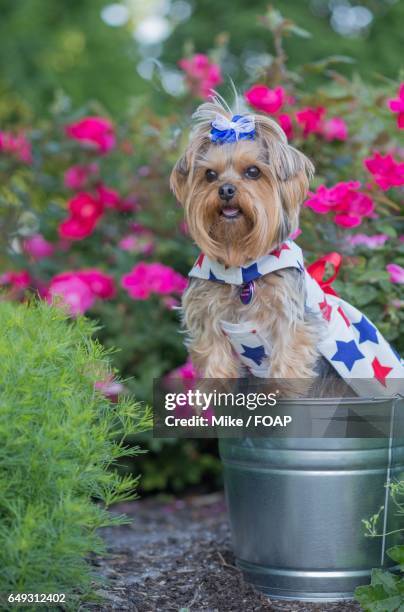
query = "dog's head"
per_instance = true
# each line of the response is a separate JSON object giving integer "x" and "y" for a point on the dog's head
{"x": 241, "y": 198}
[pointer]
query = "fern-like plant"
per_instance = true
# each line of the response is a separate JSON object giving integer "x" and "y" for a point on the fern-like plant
{"x": 59, "y": 441}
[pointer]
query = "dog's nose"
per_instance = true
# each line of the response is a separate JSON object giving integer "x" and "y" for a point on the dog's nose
{"x": 227, "y": 191}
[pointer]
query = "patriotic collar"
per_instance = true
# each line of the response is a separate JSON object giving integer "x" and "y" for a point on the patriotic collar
{"x": 287, "y": 255}
{"x": 350, "y": 343}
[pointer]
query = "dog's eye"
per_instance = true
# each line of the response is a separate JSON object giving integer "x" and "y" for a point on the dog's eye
{"x": 211, "y": 176}
{"x": 252, "y": 172}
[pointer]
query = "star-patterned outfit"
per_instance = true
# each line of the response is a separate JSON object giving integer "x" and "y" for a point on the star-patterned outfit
{"x": 350, "y": 343}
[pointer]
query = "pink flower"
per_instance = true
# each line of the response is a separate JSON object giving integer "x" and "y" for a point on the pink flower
{"x": 38, "y": 247}
{"x": 334, "y": 129}
{"x": 102, "y": 285}
{"x": 372, "y": 242}
{"x": 295, "y": 234}
{"x": 138, "y": 243}
{"x": 75, "y": 228}
{"x": 147, "y": 278}
{"x": 77, "y": 177}
{"x": 387, "y": 172}
{"x": 19, "y": 281}
{"x": 110, "y": 198}
{"x": 285, "y": 121}
{"x": 348, "y": 204}
{"x": 265, "y": 99}
{"x": 186, "y": 371}
{"x": 93, "y": 132}
{"x": 73, "y": 293}
{"x": 396, "y": 105}
{"x": 85, "y": 212}
{"x": 18, "y": 146}
{"x": 202, "y": 75}
{"x": 110, "y": 387}
{"x": 347, "y": 220}
{"x": 396, "y": 273}
{"x": 311, "y": 120}
{"x": 85, "y": 206}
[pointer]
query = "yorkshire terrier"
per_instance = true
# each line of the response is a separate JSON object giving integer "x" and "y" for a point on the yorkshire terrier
{"x": 242, "y": 200}
{"x": 242, "y": 185}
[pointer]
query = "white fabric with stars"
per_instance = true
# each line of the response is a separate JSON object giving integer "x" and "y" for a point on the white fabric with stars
{"x": 350, "y": 343}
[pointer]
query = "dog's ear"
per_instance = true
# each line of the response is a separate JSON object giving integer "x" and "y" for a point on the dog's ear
{"x": 179, "y": 175}
{"x": 183, "y": 171}
{"x": 291, "y": 167}
{"x": 285, "y": 161}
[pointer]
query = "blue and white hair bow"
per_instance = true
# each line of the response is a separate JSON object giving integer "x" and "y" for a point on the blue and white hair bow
{"x": 239, "y": 127}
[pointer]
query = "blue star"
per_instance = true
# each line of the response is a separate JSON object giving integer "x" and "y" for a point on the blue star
{"x": 256, "y": 353}
{"x": 348, "y": 353}
{"x": 212, "y": 277}
{"x": 250, "y": 273}
{"x": 366, "y": 331}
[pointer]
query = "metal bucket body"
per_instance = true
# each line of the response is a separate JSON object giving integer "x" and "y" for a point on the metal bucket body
{"x": 296, "y": 508}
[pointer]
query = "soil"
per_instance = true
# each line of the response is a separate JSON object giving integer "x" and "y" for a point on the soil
{"x": 176, "y": 556}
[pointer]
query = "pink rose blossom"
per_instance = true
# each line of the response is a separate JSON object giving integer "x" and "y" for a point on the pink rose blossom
{"x": 372, "y": 242}
{"x": 73, "y": 293}
{"x": 17, "y": 146}
{"x": 202, "y": 75}
{"x": 186, "y": 371}
{"x": 311, "y": 120}
{"x": 109, "y": 198}
{"x": 265, "y": 99}
{"x": 396, "y": 273}
{"x": 387, "y": 172}
{"x": 19, "y": 281}
{"x": 147, "y": 278}
{"x": 334, "y": 129}
{"x": 102, "y": 285}
{"x": 348, "y": 204}
{"x": 396, "y": 105}
{"x": 85, "y": 212}
{"x": 38, "y": 247}
{"x": 94, "y": 132}
{"x": 76, "y": 229}
{"x": 85, "y": 206}
{"x": 138, "y": 243}
{"x": 77, "y": 177}
{"x": 285, "y": 121}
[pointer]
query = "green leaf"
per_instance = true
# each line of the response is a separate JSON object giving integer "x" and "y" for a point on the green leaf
{"x": 397, "y": 554}
{"x": 387, "y": 580}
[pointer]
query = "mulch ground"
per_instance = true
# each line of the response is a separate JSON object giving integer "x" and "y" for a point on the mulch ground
{"x": 177, "y": 557}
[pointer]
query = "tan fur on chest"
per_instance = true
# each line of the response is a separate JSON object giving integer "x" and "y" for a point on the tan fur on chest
{"x": 277, "y": 310}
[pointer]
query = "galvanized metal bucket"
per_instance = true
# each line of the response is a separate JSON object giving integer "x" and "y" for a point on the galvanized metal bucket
{"x": 296, "y": 507}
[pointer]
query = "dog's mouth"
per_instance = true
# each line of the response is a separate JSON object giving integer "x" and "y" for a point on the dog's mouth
{"x": 231, "y": 211}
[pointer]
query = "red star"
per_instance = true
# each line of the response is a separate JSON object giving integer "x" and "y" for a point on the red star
{"x": 326, "y": 309}
{"x": 277, "y": 252}
{"x": 200, "y": 259}
{"x": 380, "y": 371}
{"x": 343, "y": 315}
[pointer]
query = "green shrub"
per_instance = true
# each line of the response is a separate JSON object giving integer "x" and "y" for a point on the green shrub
{"x": 59, "y": 439}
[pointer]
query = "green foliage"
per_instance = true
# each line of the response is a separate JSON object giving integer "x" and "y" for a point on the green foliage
{"x": 60, "y": 441}
{"x": 386, "y": 590}
{"x": 385, "y": 593}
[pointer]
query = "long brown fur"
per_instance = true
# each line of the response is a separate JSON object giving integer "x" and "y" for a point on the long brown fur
{"x": 270, "y": 212}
